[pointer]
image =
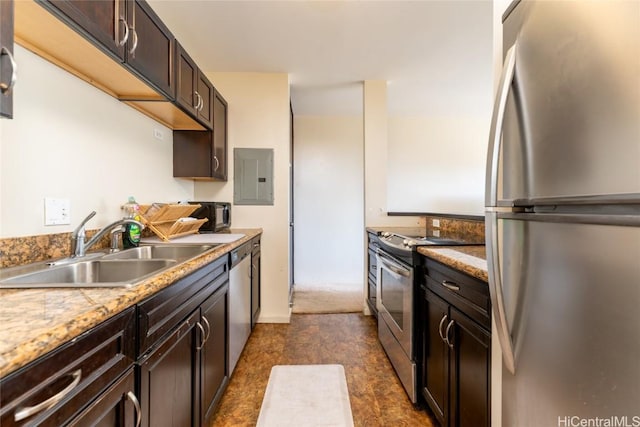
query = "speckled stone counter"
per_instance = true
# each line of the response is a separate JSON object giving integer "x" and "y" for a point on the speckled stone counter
{"x": 36, "y": 321}
{"x": 471, "y": 260}
{"x": 405, "y": 231}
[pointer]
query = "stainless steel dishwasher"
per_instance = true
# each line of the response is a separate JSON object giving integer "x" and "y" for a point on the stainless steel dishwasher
{"x": 239, "y": 302}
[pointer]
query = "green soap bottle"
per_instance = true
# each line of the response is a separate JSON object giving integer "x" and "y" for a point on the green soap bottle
{"x": 131, "y": 235}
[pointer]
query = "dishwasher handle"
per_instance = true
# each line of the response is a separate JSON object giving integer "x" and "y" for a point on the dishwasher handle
{"x": 237, "y": 255}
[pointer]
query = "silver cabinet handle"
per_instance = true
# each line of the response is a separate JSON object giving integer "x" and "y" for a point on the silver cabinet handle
{"x": 4, "y": 87}
{"x": 22, "y": 413}
{"x": 444, "y": 319}
{"x": 206, "y": 321}
{"x": 200, "y": 104}
{"x": 497, "y": 121}
{"x": 135, "y": 41}
{"x": 446, "y": 334}
{"x": 197, "y": 96}
{"x": 199, "y": 325}
{"x": 136, "y": 403}
{"x": 496, "y": 292}
{"x": 450, "y": 285}
{"x": 215, "y": 159}
{"x": 126, "y": 32}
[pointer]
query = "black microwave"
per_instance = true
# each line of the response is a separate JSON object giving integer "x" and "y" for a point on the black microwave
{"x": 217, "y": 213}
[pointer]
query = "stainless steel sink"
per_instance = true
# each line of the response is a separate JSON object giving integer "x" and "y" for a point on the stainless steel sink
{"x": 96, "y": 273}
{"x": 162, "y": 251}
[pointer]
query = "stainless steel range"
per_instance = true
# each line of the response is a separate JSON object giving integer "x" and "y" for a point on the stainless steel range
{"x": 396, "y": 290}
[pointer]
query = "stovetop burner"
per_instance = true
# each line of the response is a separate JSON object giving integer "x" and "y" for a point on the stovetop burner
{"x": 408, "y": 243}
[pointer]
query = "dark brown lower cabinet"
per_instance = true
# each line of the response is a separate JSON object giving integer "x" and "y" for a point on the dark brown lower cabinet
{"x": 372, "y": 275}
{"x": 213, "y": 374}
{"x": 435, "y": 368}
{"x": 168, "y": 378}
{"x": 456, "y": 348}
{"x": 56, "y": 389}
{"x": 255, "y": 281}
{"x": 470, "y": 373}
{"x": 117, "y": 406}
{"x": 183, "y": 370}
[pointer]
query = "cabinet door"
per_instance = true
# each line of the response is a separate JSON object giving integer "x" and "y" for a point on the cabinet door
{"x": 192, "y": 154}
{"x": 255, "y": 286}
{"x": 205, "y": 95}
{"x": 7, "y": 64}
{"x": 104, "y": 21}
{"x": 470, "y": 373}
{"x": 435, "y": 363}
{"x": 219, "y": 137}
{"x": 186, "y": 80}
{"x": 213, "y": 376}
{"x": 168, "y": 379}
{"x": 194, "y": 92}
{"x": 116, "y": 407}
{"x": 70, "y": 377}
{"x": 150, "y": 47}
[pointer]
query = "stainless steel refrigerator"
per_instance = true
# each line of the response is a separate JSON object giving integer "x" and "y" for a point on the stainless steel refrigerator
{"x": 563, "y": 213}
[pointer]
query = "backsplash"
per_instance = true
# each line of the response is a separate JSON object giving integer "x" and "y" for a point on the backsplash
{"x": 16, "y": 251}
{"x": 456, "y": 228}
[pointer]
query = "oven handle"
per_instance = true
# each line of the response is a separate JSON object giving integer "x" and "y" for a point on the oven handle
{"x": 393, "y": 266}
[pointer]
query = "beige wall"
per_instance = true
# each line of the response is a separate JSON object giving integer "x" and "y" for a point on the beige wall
{"x": 70, "y": 140}
{"x": 437, "y": 164}
{"x": 376, "y": 153}
{"x": 259, "y": 118}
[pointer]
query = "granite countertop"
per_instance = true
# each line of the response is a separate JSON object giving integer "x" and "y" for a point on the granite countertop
{"x": 405, "y": 231}
{"x": 36, "y": 321}
{"x": 471, "y": 260}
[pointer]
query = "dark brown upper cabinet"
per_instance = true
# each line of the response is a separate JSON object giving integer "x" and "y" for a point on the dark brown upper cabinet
{"x": 128, "y": 30}
{"x": 104, "y": 21}
{"x": 119, "y": 46}
{"x": 7, "y": 63}
{"x": 203, "y": 155}
{"x": 194, "y": 92}
{"x": 150, "y": 47}
{"x": 220, "y": 153}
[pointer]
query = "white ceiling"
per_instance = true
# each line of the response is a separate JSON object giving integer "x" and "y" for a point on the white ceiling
{"x": 433, "y": 53}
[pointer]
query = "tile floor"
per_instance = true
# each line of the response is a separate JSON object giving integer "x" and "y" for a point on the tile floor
{"x": 376, "y": 395}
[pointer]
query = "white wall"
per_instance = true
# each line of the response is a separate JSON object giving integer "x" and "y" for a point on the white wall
{"x": 70, "y": 140}
{"x": 441, "y": 149}
{"x": 259, "y": 118}
{"x": 376, "y": 159}
{"x": 437, "y": 164}
{"x": 329, "y": 199}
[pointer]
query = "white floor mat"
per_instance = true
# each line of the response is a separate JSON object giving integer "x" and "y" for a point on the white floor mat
{"x": 306, "y": 395}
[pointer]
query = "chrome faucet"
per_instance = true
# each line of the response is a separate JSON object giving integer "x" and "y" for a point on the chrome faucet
{"x": 79, "y": 246}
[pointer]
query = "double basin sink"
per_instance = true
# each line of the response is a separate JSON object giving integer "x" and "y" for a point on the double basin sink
{"x": 118, "y": 269}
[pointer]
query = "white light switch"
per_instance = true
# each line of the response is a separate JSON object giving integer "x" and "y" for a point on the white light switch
{"x": 436, "y": 222}
{"x": 56, "y": 211}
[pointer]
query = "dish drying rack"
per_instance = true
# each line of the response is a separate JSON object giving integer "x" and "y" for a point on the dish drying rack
{"x": 166, "y": 222}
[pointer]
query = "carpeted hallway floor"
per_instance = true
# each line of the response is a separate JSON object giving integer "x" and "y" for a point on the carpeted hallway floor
{"x": 376, "y": 395}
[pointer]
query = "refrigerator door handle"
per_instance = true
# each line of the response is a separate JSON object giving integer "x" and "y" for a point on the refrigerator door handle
{"x": 497, "y": 121}
{"x": 495, "y": 289}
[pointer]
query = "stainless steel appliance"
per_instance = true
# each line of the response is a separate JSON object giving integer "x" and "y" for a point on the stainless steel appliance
{"x": 396, "y": 290}
{"x": 239, "y": 302}
{"x": 217, "y": 213}
{"x": 563, "y": 213}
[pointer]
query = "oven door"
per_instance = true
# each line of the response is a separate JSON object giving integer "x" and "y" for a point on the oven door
{"x": 395, "y": 299}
